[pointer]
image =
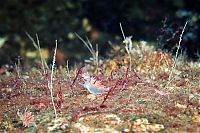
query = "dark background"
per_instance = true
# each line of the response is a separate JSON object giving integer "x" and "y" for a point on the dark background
{"x": 154, "y": 21}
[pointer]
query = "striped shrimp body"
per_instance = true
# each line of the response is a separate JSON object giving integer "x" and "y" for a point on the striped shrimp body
{"x": 93, "y": 85}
